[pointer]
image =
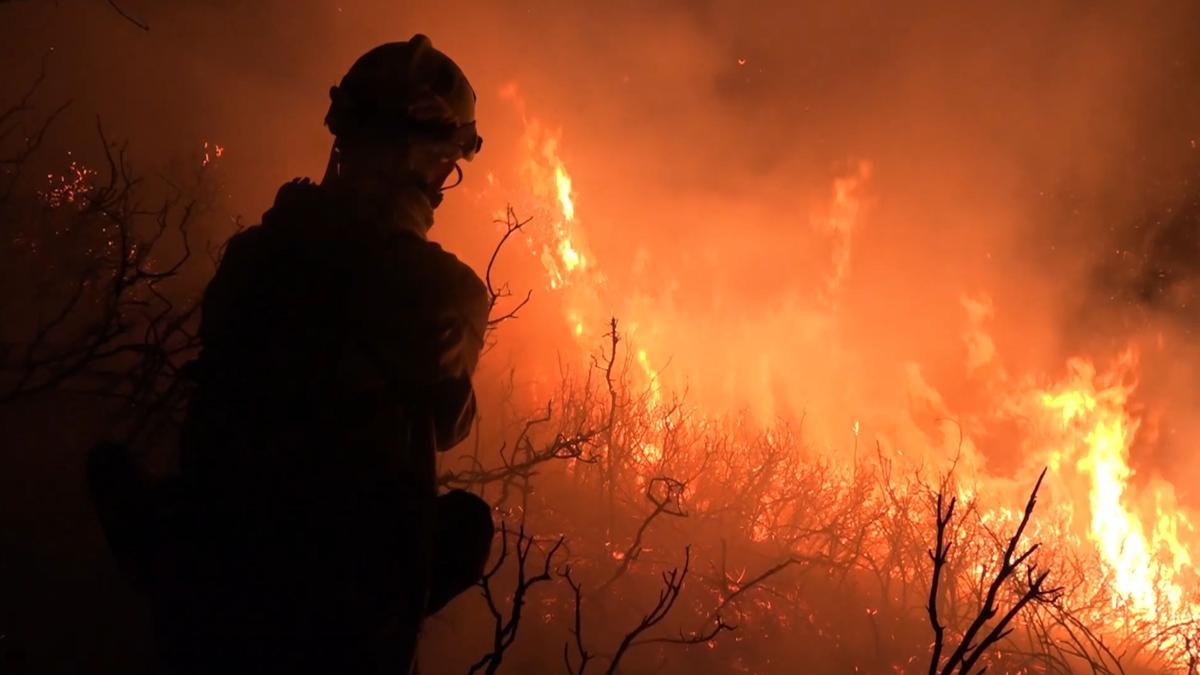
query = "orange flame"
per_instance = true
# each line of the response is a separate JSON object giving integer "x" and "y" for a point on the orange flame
{"x": 1145, "y": 562}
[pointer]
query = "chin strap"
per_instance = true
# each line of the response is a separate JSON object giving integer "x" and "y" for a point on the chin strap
{"x": 458, "y": 170}
{"x": 436, "y": 195}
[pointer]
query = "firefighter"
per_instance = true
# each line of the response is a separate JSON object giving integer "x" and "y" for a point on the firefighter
{"x": 338, "y": 347}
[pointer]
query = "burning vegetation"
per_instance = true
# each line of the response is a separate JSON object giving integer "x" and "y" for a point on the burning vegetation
{"x": 1108, "y": 584}
{"x": 663, "y": 502}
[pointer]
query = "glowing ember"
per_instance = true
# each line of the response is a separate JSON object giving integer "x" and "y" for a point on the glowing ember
{"x": 71, "y": 187}
{"x": 212, "y": 152}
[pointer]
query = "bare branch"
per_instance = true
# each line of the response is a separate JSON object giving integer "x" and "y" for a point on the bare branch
{"x": 668, "y": 502}
{"x": 127, "y": 17}
{"x": 969, "y": 652}
{"x": 672, "y": 586}
{"x": 938, "y": 556}
{"x": 581, "y": 652}
{"x": 512, "y": 225}
{"x": 505, "y": 632}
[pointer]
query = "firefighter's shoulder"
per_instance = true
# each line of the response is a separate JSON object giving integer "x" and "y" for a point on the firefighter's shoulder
{"x": 454, "y": 274}
{"x": 299, "y": 198}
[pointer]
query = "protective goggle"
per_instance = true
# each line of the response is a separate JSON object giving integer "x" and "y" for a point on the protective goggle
{"x": 468, "y": 140}
{"x": 463, "y": 137}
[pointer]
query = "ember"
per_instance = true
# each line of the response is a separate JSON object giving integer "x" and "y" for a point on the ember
{"x": 71, "y": 187}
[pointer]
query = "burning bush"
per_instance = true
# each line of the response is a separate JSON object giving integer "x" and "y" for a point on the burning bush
{"x": 763, "y": 553}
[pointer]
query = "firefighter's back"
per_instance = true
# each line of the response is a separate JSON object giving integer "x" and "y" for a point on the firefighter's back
{"x": 306, "y": 450}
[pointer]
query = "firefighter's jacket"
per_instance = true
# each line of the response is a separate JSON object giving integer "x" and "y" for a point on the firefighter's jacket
{"x": 338, "y": 348}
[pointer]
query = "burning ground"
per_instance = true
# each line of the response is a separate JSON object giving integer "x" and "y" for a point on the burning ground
{"x": 856, "y": 258}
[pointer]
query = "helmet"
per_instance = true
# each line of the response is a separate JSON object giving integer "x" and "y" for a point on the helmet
{"x": 406, "y": 90}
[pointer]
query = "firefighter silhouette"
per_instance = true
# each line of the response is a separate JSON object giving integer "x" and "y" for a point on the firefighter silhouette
{"x": 304, "y": 533}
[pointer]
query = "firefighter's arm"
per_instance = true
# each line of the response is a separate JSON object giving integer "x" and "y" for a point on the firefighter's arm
{"x": 460, "y": 341}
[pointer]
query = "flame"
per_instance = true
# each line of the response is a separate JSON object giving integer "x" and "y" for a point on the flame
{"x": 1144, "y": 562}
{"x": 563, "y": 182}
{"x": 558, "y": 237}
{"x": 544, "y": 172}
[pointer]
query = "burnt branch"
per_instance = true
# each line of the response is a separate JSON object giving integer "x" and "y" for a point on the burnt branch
{"x": 696, "y": 638}
{"x": 521, "y": 459}
{"x": 939, "y": 555}
{"x": 665, "y": 494}
{"x": 13, "y": 123}
{"x": 505, "y": 632}
{"x": 581, "y": 653}
{"x": 610, "y": 360}
{"x": 512, "y": 225}
{"x": 672, "y": 586}
{"x": 969, "y": 650}
{"x": 1193, "y": 658}
{"x": 737, "y": 589}
{"x": 125, "y": 15}
{"x": 116, "y": 331}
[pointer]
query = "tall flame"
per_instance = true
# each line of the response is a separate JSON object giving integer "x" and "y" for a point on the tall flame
{"x": 558, "y": 240}
{"x": 1093, "y": 411}
{"x": 563, "y": 182}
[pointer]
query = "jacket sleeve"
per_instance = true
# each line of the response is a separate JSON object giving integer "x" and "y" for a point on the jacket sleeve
{"x": 462, "y": 325}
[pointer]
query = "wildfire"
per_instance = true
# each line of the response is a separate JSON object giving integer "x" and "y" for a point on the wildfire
{"x": 1083, "y": 426}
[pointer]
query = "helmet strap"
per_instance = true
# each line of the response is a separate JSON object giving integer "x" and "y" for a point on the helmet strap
{"x": 458, "y": 181}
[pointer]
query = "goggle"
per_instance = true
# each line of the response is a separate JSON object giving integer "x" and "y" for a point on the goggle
{"x": 464, "y": 137}
{"x": 467, "y": 139}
